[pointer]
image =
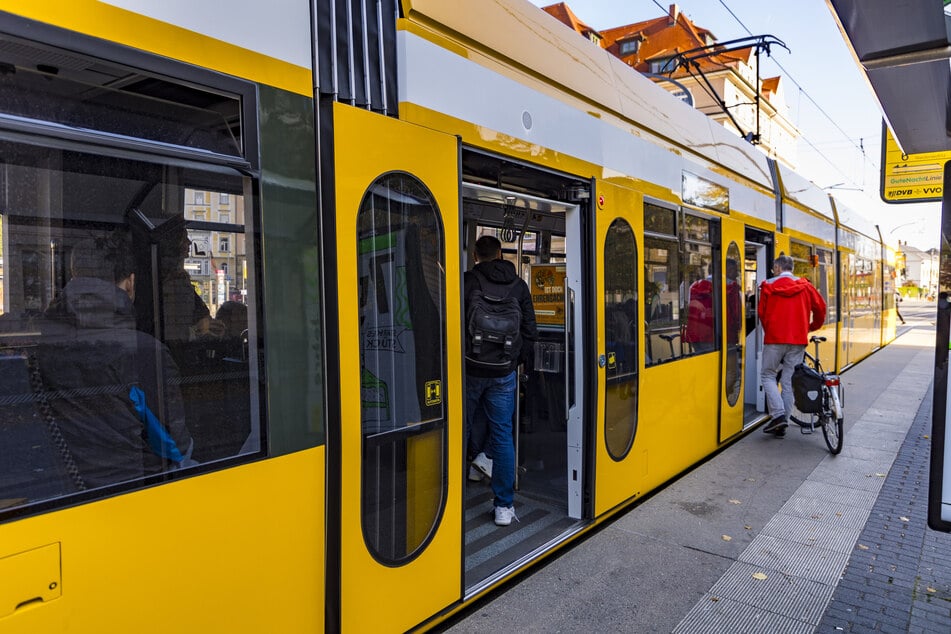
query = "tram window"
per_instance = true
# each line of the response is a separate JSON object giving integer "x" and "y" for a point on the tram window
{"x": 93, "y": 95}
{"x": 402, "y": 301}
{"x": 825, "y": 278}
{"x": 802, "y": 265}
{"x": 662, "y": 300}
{"x": 111, "y": 311}
{"x": 700, "y": 300}
{"x": 621, "y": 333}
{"x": 680, "y": 285}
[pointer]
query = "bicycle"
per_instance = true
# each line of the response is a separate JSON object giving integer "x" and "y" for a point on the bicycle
{"x": 819, "y": 395}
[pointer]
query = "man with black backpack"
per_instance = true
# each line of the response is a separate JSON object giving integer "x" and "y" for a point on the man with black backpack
{"x": 500, "y": 333}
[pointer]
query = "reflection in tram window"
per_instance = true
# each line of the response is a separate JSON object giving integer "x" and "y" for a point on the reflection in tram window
{"x": 815, "y": 264}
{"x": 401, "y": 278}
{"x": 680, "y": 285}
{"x": 734, "y": 297}
{"x": 825, "y": 283}
{"x": 621, "y": 335}
{"x": 113, "y": 365}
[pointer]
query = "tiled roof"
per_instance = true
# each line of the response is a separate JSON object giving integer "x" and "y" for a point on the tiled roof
{"x": 566, "y": 16}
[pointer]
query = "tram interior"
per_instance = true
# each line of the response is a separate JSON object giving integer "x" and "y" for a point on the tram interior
{"x": 59, "y": 207}
{"x": 533, "y": 238}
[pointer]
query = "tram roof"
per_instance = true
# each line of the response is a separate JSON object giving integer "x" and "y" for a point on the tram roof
{"x": 903, "y": 49}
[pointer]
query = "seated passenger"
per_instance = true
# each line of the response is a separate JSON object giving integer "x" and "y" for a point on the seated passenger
{"x": 184, "y": 315}
{"x": 234, "y": 318}
{"x": 97, "y": 370}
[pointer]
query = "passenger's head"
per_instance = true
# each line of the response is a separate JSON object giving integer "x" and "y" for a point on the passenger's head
{"x": 234, "y": 315}
{"x": 107, "y": 257}
{"x": 174, "y": 242}
{"x": 488, "y": 248}
{"x": 731, "y": 269}
{"x": 783, "y": 263}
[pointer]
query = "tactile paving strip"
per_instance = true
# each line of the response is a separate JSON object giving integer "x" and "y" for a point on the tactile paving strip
{"x": 711, "y": 616}
{"x": 810, "y": 532}
{"x": 794, "y": 597}
{"x": 809, "y": 562}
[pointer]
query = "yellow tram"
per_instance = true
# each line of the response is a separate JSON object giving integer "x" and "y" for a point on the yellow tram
{"x": 314, "y": 175}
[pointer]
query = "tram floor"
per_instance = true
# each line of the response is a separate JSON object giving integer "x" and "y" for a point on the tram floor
{"x": 541, "y": 503}
{"x": 490, "y": 548}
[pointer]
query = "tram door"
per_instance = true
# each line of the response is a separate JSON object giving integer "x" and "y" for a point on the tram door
{"x": 732, "y": 360}
{"x": 755, "y": 270}
{"x": 540, "y": 237}
{"x": 400, "y": 460}
{"x": 619, "y": 463}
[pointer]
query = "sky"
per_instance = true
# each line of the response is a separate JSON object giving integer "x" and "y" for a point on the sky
{"x": 829, "y": 99}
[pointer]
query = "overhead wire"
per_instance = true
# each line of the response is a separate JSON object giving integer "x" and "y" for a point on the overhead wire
{"x": 860, "y": 147}
{"x": 802, "y": 91}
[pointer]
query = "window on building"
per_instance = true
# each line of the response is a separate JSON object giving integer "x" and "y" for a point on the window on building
{"x": 224, "y": 244}
{"x": 629, "y": 47}
{"x": 199, "y": 198}
{"x": 663, "y": 66}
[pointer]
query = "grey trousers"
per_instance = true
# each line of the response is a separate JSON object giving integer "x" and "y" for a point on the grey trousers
{"x": 778, "y": 356}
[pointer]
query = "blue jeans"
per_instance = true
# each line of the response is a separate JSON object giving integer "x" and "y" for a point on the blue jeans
{"x": 496, "y": 396}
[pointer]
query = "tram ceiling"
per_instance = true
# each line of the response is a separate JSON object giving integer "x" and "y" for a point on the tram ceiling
{"x": 904, "y": 48}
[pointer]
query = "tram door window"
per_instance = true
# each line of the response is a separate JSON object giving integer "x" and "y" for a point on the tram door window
{"x": 681, "y": 285}
{"x": 621, "y": 328}
{"x": 402, "y": 299}
{"x": 734, "y": 318}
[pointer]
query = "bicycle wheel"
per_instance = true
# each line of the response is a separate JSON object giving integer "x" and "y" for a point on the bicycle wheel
{"x": 833, "y": 427}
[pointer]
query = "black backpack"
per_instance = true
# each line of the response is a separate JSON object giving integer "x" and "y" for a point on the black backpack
{"x": 493, "y": 325}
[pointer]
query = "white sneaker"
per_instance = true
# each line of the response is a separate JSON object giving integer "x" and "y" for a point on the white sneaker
{"x": 484, "y": 464}
{"x": 504, "y": 515}
{"x": 474, "y": 474}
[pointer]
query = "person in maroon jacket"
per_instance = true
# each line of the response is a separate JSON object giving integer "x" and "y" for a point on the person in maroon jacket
{"x": 790, "y": 308}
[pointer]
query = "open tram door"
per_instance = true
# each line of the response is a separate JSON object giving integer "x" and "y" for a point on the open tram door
{"x": 757, "y": 267}
{"x": 620, "y": 461}
{"x": 399, "y": 458}
{"x": 540, "y": 234}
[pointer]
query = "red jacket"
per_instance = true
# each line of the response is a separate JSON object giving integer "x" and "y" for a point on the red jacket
{"x": 700, "y": 313}
{"x": 789, "y": 308}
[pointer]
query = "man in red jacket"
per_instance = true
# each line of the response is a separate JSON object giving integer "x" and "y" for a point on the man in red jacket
{"x": 789, "y": 308}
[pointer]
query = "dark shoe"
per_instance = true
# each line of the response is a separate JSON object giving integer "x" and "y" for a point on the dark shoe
{"x": 776, "y": 426}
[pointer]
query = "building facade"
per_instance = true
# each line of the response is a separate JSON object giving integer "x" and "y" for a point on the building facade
{"x": 653, "y": 47}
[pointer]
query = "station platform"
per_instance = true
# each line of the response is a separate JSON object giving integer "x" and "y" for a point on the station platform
{"x": 770, "y": 535}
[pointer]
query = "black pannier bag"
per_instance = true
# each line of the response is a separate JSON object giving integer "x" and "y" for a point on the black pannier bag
{"x": 807, "y": 388}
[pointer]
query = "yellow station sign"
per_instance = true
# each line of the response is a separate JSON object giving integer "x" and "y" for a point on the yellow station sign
{"x": 910, "y": 178}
